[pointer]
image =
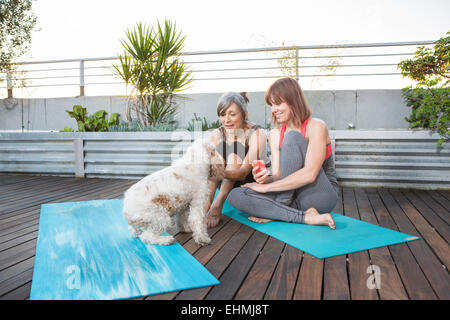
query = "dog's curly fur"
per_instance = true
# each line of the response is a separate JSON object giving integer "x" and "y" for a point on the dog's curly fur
{"x": 181, "y": 189}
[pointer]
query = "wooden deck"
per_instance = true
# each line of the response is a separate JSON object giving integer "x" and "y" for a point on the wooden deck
{"x": 250, "y": 264}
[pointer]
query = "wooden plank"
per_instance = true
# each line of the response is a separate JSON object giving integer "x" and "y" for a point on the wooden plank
{"x": 390, "y": 285}
{"x": 13, "y": 232}
{"x": 236, "y": 272}
{"x": 441, "y": 211}
{"x": 7, "y": 224}
{"x": 431, "y": 217}
{"x": 205, "y": 253}
{"x": 445, "y": 194}
{"x": 309, "y": 283}
{"x": 39, "y": 191}
{"x": 218, "y": 264}
{"x": 358, "y": 262}
{"x": 16, "y": 254}
{"x": 426, "y": 250}
{"x": 441, "y": 196}
{"x": 414, "y": 281}
{"x": 22, "y": 190}
{"x": 335, "y": 279}
{"x": 16, "y": 269}
{"x": 8, "y": 180}
{"x": 258, "y": 279}
{"x": 40, "y": 195}
{"x": 43, "y": 195}
{"x": 15, "y": 282}
{"x": 16, "y": 241}
{"x": 283, "y": 282}
{"x": 20, "y": 293}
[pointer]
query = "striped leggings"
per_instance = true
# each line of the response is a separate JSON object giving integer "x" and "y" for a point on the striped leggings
{"x": 290, "y": 205}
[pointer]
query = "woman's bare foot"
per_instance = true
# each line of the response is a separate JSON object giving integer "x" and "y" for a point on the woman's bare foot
{"x": 313, "y": 217}
{"x": 213, "y": 216}
{"x": 258, "y": 219}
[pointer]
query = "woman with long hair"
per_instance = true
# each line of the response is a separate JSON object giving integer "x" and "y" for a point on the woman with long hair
{"x": 239, "y": 142}
{"x": 303, "y": 187}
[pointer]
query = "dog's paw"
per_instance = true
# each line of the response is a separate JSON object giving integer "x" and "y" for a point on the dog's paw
{"x": 161, "y": 240}
{"x": 135, "y": 232}
{"x": 202, "y": 239}
{"x": 185, "y": 228}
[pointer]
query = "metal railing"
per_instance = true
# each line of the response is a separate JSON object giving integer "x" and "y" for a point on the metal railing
{"x": 315, "y": 61}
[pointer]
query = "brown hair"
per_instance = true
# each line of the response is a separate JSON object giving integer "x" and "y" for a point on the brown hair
{"x": 288, "y": 90}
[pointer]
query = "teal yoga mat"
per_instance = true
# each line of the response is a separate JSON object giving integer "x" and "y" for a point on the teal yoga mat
{"x": 85, "y": 251}
{"x": 350, "y": 235}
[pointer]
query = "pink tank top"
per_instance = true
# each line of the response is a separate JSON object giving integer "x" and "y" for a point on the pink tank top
{"x": 303, "y": 132}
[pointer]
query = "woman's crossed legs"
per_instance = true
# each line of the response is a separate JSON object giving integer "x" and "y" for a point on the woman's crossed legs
{"x": 303, "y": 205}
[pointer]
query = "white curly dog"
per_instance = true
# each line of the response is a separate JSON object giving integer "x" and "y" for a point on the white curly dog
{"x": 181, "y": 189}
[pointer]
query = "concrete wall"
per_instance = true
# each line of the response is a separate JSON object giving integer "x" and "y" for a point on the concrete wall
{"x": 366, "y": 109}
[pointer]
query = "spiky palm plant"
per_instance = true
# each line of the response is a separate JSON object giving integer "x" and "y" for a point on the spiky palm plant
{"x": 151, "y": 65}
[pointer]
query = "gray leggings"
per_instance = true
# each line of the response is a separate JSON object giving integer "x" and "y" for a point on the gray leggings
{"x": 290, "y": 205}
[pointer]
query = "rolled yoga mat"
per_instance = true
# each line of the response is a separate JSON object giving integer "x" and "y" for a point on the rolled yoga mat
{"x": 85, "y": 251}
{"x": 350, "y": 235}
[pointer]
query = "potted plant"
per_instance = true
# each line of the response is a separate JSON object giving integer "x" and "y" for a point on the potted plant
{"x": 152, "y": 67}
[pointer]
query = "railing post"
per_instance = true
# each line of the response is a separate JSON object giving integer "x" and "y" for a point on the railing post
{"x": 9, "y": 84}
{"x": 81, "y": 78}
{"x": 297, "y": 76}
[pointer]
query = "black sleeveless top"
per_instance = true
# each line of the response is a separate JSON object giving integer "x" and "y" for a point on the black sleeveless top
{"x": 225, "y": 149}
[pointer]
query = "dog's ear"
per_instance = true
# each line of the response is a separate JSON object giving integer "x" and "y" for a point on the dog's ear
{"x": 217, "y": 171}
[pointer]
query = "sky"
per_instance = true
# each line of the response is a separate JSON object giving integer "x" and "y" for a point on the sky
{"x": 92, "y": 28}
{"x": 69, "y": 29}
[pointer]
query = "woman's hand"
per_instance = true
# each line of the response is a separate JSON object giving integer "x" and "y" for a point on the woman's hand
{"x": 261, "y": 188}
{"x": 261, "y": 176}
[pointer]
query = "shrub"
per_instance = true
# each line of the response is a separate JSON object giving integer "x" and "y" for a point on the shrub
{"x": 204, "y": 123}
{"x": 136, "y": 126}
{"x": 430, "y": 98}
{"x": 87, "y": 123}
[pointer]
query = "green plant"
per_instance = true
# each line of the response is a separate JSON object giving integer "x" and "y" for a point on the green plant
{"x": 430, "y": 98}
{"x": 152, "y": 67}
{"x": 136, "y": 126}
{"x": 87, "y": 123}
{"x": 205, "y": 125}
{"x": 67, "y": 129}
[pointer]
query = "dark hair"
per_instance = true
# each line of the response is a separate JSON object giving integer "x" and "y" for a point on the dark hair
{"x": 288, "y": 90}
{"x": 227, "y": 99}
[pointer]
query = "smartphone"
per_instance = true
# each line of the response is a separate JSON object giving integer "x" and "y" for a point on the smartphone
{"x": 260, "y": 164}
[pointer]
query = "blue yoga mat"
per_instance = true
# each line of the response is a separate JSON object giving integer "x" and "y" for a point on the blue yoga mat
{"x": 85, "y": 251}
{"x": 350, "y": 235}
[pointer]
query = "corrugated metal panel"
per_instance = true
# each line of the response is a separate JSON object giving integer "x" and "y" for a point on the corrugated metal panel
{"x": 377, "y": 162}
{"x": 363, "y": 158}
{"x": 129, "y": 158}
{"x": 37, "y": 157}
